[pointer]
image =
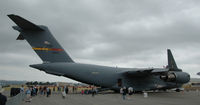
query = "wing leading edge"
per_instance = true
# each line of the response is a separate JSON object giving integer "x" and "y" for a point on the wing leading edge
{"x": 145, "y": 72}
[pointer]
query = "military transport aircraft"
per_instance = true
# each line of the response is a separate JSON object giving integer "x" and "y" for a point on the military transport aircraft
{"x": 57, "y": 62}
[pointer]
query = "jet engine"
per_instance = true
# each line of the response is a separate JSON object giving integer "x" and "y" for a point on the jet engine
{"x": 178, "y": 77}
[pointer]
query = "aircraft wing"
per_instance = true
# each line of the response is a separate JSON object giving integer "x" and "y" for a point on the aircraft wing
{"x": 145, "y": 72}
{"x": 54, "y": 73}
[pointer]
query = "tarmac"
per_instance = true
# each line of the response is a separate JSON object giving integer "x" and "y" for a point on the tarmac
{"x": 162, "y": 98}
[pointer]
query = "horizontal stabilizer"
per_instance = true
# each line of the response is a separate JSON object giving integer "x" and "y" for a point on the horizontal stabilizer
{"x": 24, "y": 24}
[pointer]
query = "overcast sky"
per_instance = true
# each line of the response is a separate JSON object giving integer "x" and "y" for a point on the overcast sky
{"x": 123, "y": 33}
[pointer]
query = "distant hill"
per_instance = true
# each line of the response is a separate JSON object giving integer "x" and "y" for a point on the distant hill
{"x": 10, "y": 82}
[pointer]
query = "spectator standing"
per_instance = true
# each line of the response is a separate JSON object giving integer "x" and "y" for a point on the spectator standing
{"x": 63, "y": 94}
{"x": 73, "y": 89}
{"x": 3, "y": 99}
{"x": 121, "y": 90}
{"x": 58, "y": 88}
{"x": 54, "y": 89}
{"x": 31, "y": 91}
{"x": 130, "y": 90}
{"x": 48, "y": 91}
{"x": 40, "y": 90}
{"x": 28, "y": 95}
{"x": 66, "y": 89}
{"x": 82, "y": 92}
{"x": 36, "y": 90}
{"x": 93, "y": 92}
{"x": 124, "y": 93}
{"x": 45, "y": 90}
{"x": 22, "y": 89}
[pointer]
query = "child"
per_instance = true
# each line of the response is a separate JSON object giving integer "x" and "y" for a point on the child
{"x": 82, "y": 92}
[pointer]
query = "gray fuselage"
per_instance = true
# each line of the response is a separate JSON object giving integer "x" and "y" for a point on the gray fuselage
{"x": 105, "y": 76}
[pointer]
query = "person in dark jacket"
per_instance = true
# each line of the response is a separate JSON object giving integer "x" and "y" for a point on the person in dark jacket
{"x": 66, "y": 90}
{"x": 3, "y": 99}
{"x": 124, "y": 93}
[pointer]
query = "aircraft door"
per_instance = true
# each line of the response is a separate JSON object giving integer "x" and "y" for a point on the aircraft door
{"x": 119, "y": 82}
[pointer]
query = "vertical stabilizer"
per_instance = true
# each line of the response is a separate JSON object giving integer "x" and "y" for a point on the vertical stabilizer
{"x": 171, "y": 62}
{"x": 40, "y": 39}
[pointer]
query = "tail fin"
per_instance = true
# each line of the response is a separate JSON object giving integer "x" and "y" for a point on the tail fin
{"x": 41, "y": 40}
{"x": 171, "y": 62}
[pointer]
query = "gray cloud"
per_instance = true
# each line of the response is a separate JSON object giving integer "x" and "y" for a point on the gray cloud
{"x": 127, "y": 33}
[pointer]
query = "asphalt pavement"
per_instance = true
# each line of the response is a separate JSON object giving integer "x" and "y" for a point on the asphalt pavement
{"x": 169, "y": 98}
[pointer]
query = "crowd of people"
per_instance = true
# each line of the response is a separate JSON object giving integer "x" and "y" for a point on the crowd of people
{"x": 46, "y": 91}
{"x": 32, "y": 91}
{"x": 64, "y": 90}
{"x": 125, "y": 90}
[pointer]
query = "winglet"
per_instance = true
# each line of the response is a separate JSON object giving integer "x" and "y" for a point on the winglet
{"x": 171, "y": 62}
{"x": 24, "y": 24}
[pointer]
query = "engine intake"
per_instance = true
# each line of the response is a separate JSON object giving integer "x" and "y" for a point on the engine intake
{"x": 178, "y": 77}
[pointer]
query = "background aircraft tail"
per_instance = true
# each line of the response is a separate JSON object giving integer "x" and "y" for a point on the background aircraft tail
{"x": 41, "y": 40}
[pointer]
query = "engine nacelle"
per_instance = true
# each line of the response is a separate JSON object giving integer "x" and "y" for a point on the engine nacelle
{"x": 178, "y": 77}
